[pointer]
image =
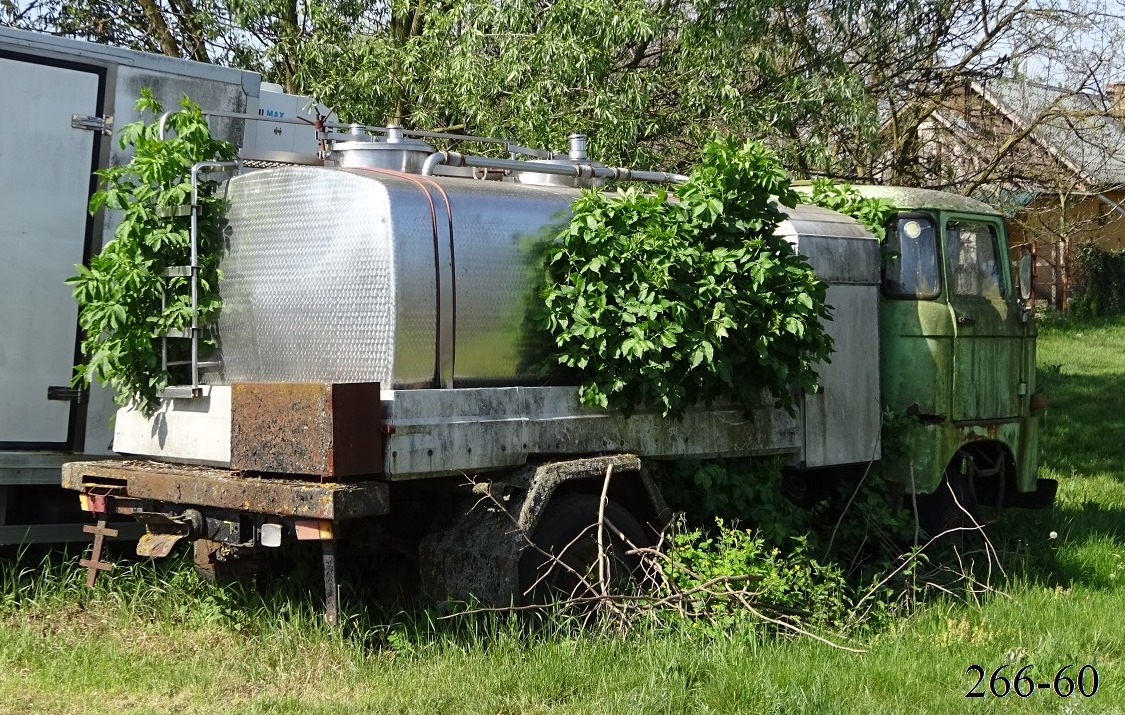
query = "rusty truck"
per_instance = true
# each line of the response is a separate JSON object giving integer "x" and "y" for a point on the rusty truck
{"x": 68, "y": 96}
{"x": 372, "y": 384}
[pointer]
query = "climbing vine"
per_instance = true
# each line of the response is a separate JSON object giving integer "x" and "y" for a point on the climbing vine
{"x": 675, "y": 298}
{"x": 120, "y": 292}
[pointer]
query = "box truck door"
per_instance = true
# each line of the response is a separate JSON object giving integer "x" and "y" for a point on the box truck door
{"x": 45, "y": 166}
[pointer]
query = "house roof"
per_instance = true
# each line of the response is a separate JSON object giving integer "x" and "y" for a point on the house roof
{"x": 1076, "y": 127}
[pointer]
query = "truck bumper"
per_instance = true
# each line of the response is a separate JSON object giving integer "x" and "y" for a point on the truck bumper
{"x": 133, "y": 481}
{"x": 1042, "y": 498}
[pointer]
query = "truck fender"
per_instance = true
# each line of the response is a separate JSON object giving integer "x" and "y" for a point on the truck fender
{"x": 630, "y": 485}
{"x": 478, "y": 550}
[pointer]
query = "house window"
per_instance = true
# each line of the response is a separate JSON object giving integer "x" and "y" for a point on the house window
{"x": 910, "y": 263}
{"x": 972, "y": 251}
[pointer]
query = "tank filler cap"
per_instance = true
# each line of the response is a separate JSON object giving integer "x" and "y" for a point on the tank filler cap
{"x": 393, "y": 151}
{"x": 576, "y": 147}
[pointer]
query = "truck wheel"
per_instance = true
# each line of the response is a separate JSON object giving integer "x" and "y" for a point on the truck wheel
{"x": 568, "y": 531}
{"x": 953, "y": 505}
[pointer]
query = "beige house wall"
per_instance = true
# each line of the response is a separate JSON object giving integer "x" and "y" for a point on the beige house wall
{"x": 1055, "y": 225}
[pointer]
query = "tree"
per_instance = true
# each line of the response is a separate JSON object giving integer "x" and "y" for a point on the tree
{"x": 649, "y": 80}
{"x": 853, "y": 88}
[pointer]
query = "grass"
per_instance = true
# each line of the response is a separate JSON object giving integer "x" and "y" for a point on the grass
{"x": 154, "y": 641}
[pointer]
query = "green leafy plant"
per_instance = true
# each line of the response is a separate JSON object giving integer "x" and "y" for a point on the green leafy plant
{"x": 871, "y": 212}
{"x": 675, "y": 299}
{"x": 120, "y": 293}
{"x": 790, "y": 582}
{"x": 746, "y": 490}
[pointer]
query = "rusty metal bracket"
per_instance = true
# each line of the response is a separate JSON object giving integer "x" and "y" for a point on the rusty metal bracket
{"x": 94, "y": 564}
{"x": 162, "y": 532}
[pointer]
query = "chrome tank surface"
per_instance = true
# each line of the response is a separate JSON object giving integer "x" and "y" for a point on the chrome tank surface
{"x": 348, "y": 275}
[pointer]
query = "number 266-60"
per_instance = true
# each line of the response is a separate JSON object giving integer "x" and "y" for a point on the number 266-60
{"x": 1066, "y": 682}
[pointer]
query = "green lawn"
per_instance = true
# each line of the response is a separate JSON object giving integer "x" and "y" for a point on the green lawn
{"x": 172, "y": 646}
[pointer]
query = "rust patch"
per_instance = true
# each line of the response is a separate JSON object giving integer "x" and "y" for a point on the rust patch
{"x": 330, "y": 430}
{"x": 976, "y": 432}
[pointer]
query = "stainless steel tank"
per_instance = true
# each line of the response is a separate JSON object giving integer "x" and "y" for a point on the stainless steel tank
{"x": 348, "y": 275}
{"x": 374, "y": 275}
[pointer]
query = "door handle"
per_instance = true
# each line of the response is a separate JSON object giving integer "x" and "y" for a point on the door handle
{"x": 966, "y": 320}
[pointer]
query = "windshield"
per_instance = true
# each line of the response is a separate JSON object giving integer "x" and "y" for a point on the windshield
{"x": 910, "y": 263}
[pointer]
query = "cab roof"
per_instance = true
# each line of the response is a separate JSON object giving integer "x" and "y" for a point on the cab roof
{"x": 906, "y": 197}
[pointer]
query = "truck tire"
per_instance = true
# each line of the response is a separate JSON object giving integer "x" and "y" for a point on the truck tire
{"x": 568, "y": 531}
{"x": 952, "y": 506}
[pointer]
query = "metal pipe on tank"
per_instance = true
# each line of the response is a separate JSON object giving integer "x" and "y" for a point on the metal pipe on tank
{"x": 581, "y": 171}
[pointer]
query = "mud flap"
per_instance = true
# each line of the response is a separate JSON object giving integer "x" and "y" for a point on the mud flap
{"x": 161, "y": 534}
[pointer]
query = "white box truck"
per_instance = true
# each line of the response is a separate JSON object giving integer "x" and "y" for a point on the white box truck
{"x": 61, "y": 100}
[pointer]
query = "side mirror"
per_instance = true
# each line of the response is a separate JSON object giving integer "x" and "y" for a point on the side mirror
{"x": 1025, "y": 277}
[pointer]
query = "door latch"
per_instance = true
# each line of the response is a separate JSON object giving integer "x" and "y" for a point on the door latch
{"x": 64, "y": 393}
{"x": 92, "y": 122}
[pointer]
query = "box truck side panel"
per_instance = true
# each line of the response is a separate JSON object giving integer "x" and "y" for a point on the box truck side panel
{"x": 45, "y": 166}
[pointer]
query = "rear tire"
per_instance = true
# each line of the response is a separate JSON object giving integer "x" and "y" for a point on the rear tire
{"x": 568, "y": 531}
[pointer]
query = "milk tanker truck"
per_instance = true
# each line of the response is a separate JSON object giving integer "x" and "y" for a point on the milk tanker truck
{"x": 372, "y": 384}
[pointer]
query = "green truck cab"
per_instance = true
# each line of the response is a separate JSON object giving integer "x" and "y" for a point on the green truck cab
{"x": 957, "y": 345}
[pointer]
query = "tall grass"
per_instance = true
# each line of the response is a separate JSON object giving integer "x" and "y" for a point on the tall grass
{"x": 151, "y": 638}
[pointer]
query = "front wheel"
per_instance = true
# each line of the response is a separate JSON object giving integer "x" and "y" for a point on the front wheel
{"x": 953, "y": 506}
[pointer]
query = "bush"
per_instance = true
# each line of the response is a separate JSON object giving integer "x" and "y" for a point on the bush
{"x": 872, "y": 213}
{"x": 673, "y": 299}
{"x": 729, "y": 568}
{"x": 125, "y": 302}
{"x": 1098, "y": 285}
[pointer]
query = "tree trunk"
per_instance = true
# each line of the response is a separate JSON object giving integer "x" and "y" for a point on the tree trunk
{"x": 164, "y": 36}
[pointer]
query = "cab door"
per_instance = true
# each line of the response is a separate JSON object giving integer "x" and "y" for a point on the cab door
{"x": 987, "y": 345}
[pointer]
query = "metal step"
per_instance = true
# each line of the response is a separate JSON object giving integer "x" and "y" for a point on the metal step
{"x": 202, "y": 364}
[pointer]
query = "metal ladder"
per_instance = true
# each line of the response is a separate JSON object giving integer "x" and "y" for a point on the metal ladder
{"x": 190, "y": 271}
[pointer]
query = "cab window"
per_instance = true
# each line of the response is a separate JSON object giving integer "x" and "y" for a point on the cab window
{"x": 972, "y": 250}
{"x": 910, "y": 262}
